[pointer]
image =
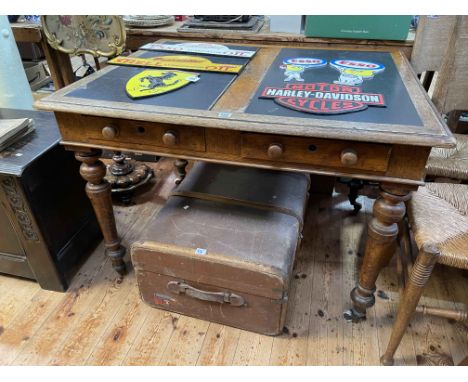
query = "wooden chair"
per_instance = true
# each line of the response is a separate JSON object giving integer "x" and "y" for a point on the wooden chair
{"x": 445, "y": 242}
{"x": 443, "y": 165}
{"x": 450, "y": 95}
{"x": 99, "y": 36}
{"x": 441, "y": 45}
{"x": 102, "y": 36}
{"x": 430, "y": 45}
{"x": 449, "y": 164}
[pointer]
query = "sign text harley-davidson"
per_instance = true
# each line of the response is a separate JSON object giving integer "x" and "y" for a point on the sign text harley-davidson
{"x": 323, "y": 98}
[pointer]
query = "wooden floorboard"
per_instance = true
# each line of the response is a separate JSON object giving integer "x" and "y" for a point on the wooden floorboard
{"x": 101, "y": 319}
{"x": 253, "y": 350}
{"x": 219, "y": 346}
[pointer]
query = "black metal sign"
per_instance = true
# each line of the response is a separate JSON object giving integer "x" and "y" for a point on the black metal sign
{"x": 341, "y": 85}
{"x": 322, "y": 98}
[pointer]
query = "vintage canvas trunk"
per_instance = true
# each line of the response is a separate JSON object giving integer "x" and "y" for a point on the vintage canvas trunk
{"x": 223, "y": 247}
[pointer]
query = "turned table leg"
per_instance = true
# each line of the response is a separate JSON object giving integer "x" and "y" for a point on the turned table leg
{"x": 420, "y": 273}
{"x": 388, "y": 210}
{"x": 180, "y": 165}
{"x": 99, "y": 192}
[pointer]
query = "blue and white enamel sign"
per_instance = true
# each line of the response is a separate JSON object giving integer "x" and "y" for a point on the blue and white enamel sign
{"x": 358, "y": 65}
{"x": 294, "y": 67}
{"x": 307, "y": 62}
{"x": 354, "y": 72}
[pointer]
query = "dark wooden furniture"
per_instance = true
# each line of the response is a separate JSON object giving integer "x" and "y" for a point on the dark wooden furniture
{"x": 47, "y": 224}
{"x": 392, "y": 154}
{"x": 234, "y": 266}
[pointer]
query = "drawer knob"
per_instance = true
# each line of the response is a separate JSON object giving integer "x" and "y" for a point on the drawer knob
{"x": 110, "y": 132}
{"x": 349, "y": 157}
{"x": 275, "y": 150}
{"x": 169, "y": 138}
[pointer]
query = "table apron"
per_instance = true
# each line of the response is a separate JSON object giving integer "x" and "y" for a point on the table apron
{"x": 404, "y": 164}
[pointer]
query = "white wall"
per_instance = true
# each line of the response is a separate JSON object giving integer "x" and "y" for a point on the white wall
{"x": 15, "y": 92}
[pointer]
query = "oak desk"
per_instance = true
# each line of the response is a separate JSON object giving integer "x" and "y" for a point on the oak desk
{"x": 92, "y": 118}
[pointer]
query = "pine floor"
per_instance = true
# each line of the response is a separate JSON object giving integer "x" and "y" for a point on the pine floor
{"x": 102, "y": 321}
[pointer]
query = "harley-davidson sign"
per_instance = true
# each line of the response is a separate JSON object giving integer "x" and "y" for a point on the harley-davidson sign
{"x": 323, "y": 98}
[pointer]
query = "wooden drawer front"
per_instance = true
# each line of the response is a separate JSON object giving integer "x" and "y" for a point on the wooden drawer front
{"x": 143, "y": 133}
{"x": 319, "y": 152}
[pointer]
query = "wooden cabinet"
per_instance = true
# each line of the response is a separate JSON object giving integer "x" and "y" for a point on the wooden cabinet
{"x": 47, "y": 223}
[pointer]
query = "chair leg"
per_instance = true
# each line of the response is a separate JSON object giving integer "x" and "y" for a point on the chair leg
{"x": 451, "y": 314}
{"x": 420, "y": 273}
{"x": 406, "y": 257}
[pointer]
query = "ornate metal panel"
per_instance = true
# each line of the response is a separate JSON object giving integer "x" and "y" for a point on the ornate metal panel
{"x": 96, "y": 35}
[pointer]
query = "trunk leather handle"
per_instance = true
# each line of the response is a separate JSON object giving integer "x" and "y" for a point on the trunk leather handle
{"x": 219, "y": 297}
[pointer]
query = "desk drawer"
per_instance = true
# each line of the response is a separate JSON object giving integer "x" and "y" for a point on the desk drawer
{"x": 118, "y": 132}
{"x": 318, "y": 152}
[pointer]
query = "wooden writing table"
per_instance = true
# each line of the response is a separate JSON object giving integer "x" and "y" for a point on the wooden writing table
{"x": 390, "y": 153}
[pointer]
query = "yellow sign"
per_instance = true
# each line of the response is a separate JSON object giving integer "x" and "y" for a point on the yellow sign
{"x": 177, "y": 62}
{"x": 153, "y": 82}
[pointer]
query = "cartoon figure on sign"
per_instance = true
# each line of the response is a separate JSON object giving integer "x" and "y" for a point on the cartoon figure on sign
{"x": 353, "y": 73}
{"x": 295, "y": 67}
{"x": 292, "y": 72}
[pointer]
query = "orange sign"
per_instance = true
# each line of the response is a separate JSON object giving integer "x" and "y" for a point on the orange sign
{"x": 177, "y": 62}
